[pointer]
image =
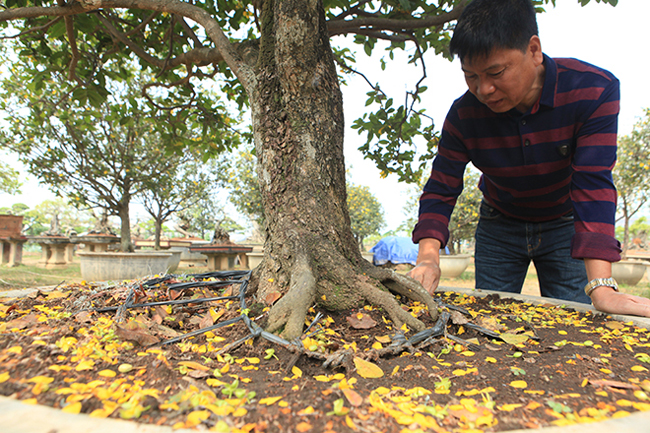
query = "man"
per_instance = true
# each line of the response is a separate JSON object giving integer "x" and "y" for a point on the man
{"x": 543, "y": 133}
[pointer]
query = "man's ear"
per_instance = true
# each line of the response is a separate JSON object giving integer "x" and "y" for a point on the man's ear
{"x": 535, "y": 49}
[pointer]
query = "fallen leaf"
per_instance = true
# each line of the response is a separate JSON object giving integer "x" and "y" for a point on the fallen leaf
{"x": 490, "y": 323}
{"x": 520, "y": 384}
{"x": 615, "y": 325}
{"x": 367, "y": 369}
{"x": 353, "y": 397}
{"x": 136, "y": 334}
{"x": 303, "y": 427}
{"x": 458, "y": 318}
{"x": 364, "y": 322}
{"x": 514, "y": 339}
{"x": 272, "y": 297}
{"x": 614, "y": 384}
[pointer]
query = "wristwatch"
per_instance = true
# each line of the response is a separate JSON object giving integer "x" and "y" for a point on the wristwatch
{"x": 597, "y": 282}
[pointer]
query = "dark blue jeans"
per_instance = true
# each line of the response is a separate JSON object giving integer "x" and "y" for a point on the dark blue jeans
{"x": 505, "y": 246}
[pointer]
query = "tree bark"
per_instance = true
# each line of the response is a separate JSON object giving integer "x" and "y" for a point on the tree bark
{"x": 311, "y": 255}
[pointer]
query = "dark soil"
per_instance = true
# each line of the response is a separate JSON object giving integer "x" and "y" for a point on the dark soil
{"x": 547, "y": 365}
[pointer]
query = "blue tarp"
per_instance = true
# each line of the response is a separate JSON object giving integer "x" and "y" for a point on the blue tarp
{"x": 394, "y": 249}
{"x": 397, "y": 249}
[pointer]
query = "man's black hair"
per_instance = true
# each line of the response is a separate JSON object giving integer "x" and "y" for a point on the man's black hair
{"x": 485, "y": 25}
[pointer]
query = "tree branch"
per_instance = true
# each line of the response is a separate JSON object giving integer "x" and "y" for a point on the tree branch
{"x": 338, "y": 27}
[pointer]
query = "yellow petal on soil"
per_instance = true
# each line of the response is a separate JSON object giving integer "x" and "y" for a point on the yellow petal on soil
{"x": 41, "y": 379}
{"x": 194, "y": 365}
{"x": 520, "y": 384}
{"x": 4, "y": 377}
{"x": 509, "y": 407}
{"x": 16, "y": 349}
{"x": 307, "y": 411}
{"x": 196, "y": 417}
{"x": 270, "y": 400}
{"x": 29, "y": 401}
{"x": 74, "y": 408}
{"x": 384, "y": 339}
{"x": 638, "y": 368}
{"x": 296, "y": 371}
{"x": 514, "y": 339}
{"x": 86, "y": 364}
{"x": 367, "y": 369}
{"x": 107, "y": 373}
{"x": 322, "y": 378}
{"x": 490, "y": 359}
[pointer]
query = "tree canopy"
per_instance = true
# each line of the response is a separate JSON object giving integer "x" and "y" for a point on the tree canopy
{"x": 280, "y": 59}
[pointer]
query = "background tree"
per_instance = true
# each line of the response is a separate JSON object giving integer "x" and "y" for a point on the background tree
{"x": 366, "y": 213}
{"x": 244, "y": 188}
{"x": 464, "y": 218}
{"x": 98, "y": 152}
{"x": 9, "y": 183}
{"x": 275, "y": 56}
{"x": 187, "y": 182}
{"x": 632, "y": 174}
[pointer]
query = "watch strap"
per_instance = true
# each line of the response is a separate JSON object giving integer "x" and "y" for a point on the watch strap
{"x": 597, "y": 282}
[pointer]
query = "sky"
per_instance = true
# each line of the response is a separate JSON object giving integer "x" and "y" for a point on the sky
{"x": 612, "y": 38}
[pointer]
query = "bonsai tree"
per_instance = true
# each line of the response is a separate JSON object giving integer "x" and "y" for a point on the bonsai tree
{"x": 632, "y": 174}
{"x": 277, "y": 57}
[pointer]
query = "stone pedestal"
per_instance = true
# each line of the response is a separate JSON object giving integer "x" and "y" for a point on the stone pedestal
{"x": 12, "y": 250}
{"x": 223, "y": 257}
{"x": 96, "y": 243}
{"x": 54, "y": 251}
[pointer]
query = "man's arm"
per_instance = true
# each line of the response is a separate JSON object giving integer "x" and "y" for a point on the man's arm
{"x": 427, "y": 265}
{"x": 606, "y": 299}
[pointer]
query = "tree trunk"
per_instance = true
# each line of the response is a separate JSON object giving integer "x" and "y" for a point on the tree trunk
{"x": 157, "y": 232}
{"x": 311, "y": 255}
{"x": 125, "y": 230}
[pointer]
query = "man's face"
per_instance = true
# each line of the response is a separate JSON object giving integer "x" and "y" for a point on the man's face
{"x": 507, "y": 78}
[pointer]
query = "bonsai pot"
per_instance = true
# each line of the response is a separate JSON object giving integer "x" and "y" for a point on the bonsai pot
{"x": 122, "y": 266}
{"x": 628, "y": 272}
{"x": 451, "y": 266}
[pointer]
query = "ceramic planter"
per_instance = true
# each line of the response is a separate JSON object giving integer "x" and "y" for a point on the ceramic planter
{"x": 628, "y": 272}
{"x": 122, "y": 266}
{"x": 451, "y": 266}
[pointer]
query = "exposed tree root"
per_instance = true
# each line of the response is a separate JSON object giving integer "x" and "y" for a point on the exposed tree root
{"x": 325, "y": 277}
{"x": 291, "y": 309}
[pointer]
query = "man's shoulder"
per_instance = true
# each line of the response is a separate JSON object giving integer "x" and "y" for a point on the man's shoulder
{"x": 575, "y": 69}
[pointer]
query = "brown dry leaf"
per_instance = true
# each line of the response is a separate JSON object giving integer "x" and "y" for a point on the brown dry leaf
{"x": 206, "y": 321}
{"x": 134, "y": 333}
{"x": 367, "y": 369}
{"x": 490, "y": 323}
{"x": 84, "y": 317}
{"x": 458, "y": 318}
{"x": 272, "y": 297}
{"x": 353, "y": 397}
{"x": 363, "y": 322}
{"x": 614, "y": 384}
{"x": 198, "y": 374}
{"x": 23, "y": 322}
{"x": 615, "y": 325}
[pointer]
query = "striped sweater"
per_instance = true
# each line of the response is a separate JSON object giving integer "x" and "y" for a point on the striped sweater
{"x": 536, "y": 166}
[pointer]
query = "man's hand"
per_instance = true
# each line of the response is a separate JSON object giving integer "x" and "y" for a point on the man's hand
{"x": 426, "y": 273}
{"x": 427, "y": 268}
{"x": 608, "y": 300}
